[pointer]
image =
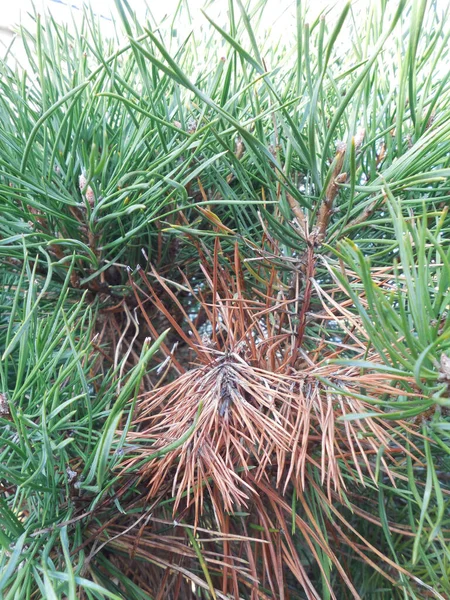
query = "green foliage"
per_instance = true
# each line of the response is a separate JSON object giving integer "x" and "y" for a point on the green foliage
{"x": 55, "y": 433}
{"x": 306, "y": 177}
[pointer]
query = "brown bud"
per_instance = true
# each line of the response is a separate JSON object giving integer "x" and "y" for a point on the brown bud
{"x": 4, "y": 406}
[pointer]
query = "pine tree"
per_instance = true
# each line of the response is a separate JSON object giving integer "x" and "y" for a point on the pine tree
{"x": 224, "y": 324}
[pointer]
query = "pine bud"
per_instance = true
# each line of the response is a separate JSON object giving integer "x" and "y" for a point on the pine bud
{"x": 89, "y": 194}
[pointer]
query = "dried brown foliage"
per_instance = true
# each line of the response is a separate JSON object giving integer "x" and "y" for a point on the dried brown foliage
{"x": 244, "y": 424}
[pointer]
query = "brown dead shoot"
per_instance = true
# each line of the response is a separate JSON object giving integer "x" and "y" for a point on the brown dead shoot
{"x": 250, "y": 416}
